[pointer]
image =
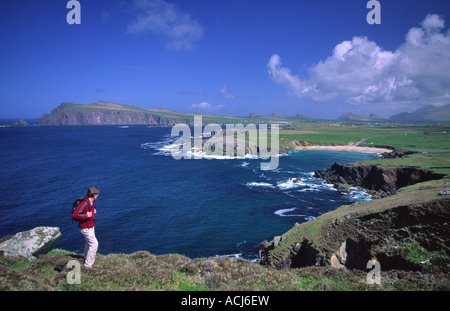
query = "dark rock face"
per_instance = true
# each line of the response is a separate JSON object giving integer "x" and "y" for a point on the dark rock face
{"x": 104, "y": 117}
{"x": 379, "y": 181}
{"x": 412, "y": 238}
{"x": 303, "y": 254}
{"x": 396, "y": 154}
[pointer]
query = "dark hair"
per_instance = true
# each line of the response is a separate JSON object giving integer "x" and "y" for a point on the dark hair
{"x": 92, "y": 191}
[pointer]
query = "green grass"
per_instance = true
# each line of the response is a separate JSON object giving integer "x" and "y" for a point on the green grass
{"x": 417, "y": 253}
{"x": 144, "y": 271}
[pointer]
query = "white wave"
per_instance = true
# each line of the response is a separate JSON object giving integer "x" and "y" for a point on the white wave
{"x": 359, "y": 195}
{"x": 330, "y": 187}
{"x": 244, "y": 164}
{"x": 147, "y": 145}
{"x": 308, "y": 189}
{"x": 317, "y": 187}
{"x": 237, "y": 255}
{"x": 169, "y": 148}
{"x": 309, "y": 218}
{"x": 291, "y": 183}
{"x": 163, "y": 147}
{"x": 225, "y": 157}
{"x": 282, "y": 212}
{"x": 260, "y": 184}
{"x": 197, "y": 153}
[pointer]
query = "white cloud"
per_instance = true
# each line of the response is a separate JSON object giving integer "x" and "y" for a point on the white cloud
{"x": 226, "y": 94}
{"x": 202, "y": 106}
{"x": 417, "y": 73}
{"x": 432, "y": 23}
{"x": 179, "y": 29}
{"x": 206, "y": 107}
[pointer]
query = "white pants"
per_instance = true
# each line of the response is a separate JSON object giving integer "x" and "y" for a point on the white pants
{"x": 90, "y": 246}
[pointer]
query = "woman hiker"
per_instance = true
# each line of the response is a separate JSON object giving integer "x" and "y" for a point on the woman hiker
{"x": 85, "y": 214}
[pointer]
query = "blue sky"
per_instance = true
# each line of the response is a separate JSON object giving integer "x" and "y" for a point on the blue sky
{"x": 319, "y": 58}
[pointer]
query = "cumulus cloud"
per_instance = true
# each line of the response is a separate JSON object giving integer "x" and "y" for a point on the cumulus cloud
{"x": 178, "y": 28}
{"x": 417, "y": 73}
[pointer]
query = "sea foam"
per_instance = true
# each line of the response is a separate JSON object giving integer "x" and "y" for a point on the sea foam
{"x": 285, "y": 213}
{"x": 291, "y": 183}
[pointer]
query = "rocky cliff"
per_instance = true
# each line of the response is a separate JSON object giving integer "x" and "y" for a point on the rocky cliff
{"x": 406, "y": 231}
{"x": 106, "y": 114}
{"x": 380, "y": 182}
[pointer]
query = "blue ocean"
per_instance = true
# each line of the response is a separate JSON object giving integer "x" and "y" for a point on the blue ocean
{"x": 150, "y": 201}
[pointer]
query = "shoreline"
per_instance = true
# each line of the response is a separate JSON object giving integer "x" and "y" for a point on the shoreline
{"x": 346, "y": 148}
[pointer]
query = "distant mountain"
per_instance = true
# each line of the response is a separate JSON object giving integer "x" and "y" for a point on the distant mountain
{"x": 102, "y": 113}
{"x": 255, "y": 115}
{"x": 425, "y": 114}
{"x": 302, "y": 117}
{"x": 277, "y": 117}
{"x": 353, "y": 117}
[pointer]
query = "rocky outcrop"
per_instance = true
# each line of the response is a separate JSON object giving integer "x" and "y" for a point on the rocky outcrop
{"x": 396, "y": 153}
{"x": 379, "y": 181}
{"x": 31, "y": 243}
{"x": 19, "y": 123}
{"x": 407, "y": 231}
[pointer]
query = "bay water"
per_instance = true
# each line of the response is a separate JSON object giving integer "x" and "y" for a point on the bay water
{"x": 150, "y": 201}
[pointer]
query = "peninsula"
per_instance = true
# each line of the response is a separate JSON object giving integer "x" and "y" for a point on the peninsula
{"x": 106, "y": 113}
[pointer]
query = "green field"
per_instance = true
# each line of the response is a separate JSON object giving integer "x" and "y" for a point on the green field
{"x": 430, "y": 143}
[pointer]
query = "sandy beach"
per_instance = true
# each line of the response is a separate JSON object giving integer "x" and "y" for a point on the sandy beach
{"x": 346, "y": 148}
